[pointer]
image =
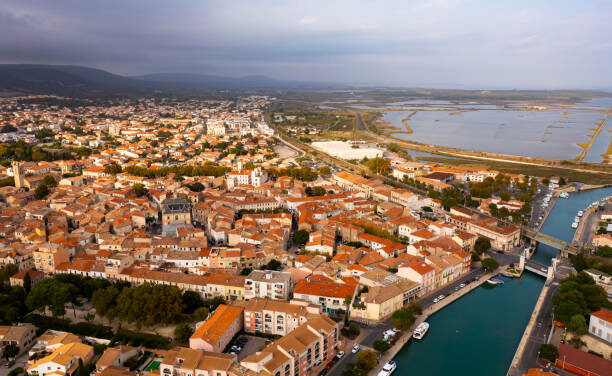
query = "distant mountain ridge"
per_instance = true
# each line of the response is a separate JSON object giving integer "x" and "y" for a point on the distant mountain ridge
{"x": 72, "y": 80}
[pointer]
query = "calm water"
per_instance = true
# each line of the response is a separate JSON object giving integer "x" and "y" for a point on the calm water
{"x": 479, "y": 333}
{"x": 545, "y": 134}
{"x": 600, "y": 145}
{"x": 558, "y": 223}
{"x": 476, "y": 335}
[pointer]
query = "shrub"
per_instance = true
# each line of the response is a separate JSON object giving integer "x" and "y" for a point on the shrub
{"x": 380, "y": 345}
{"x": 549, "y": 352}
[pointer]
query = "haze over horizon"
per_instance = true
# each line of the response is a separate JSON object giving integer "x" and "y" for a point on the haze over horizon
{"x": 429, "y": 43}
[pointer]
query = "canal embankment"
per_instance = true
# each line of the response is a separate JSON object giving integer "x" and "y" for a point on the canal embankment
{"x": 515, "y": 368}
{"x": 427, "y": 312}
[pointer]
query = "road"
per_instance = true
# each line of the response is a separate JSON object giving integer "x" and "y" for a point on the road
{"x": 372, "y": 332}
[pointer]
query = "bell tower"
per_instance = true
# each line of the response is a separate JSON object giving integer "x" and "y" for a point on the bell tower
{"x": 18, "y": 173}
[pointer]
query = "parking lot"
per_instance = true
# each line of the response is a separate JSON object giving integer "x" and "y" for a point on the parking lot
{"x": 246, "y": 345}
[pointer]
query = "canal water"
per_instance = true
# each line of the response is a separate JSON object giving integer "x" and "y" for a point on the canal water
{"x": 479, "y": 333}
{"x": 559, "y": 221}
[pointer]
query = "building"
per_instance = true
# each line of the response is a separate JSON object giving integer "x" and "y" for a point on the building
{"x": 63, "y": 361}
{"x": 215, "y": 333}
{"x": 21, "y": 335}
{"x": 381, "y": 301}
{"x": 49, "y": 256}
{"x": 314, "y": 342}
{"x": 35, "y": 277}
{"x": 420, "y": 272}
{"x": 600, "y": 324}
{"x": 175, "y": 213}
{"x": 268, "y": 284}
{"x": 115, "y": 356}
{"x": 276, "y": 317}
{"x": 182, "y": 361}
{"x": 582, "y": 363}
{"x": 331, "y": 296}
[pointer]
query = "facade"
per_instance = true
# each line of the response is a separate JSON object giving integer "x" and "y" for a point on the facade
{"x": 600, "y": 324}
{"x": 421, "y": 273}
{"x": 175, "y": 212}
{"x": 215, "y": 333}
{"x": 49, "y": 256}
{"x": 276, "y": 317}
{"x": 182, "y": 361}
{"x": 21, "y": 335}
{"x": 64, "y": 361}
{"x": 268, "y": 284}
{"x": 314, "y": 342}
{"x": 331, "y": 296}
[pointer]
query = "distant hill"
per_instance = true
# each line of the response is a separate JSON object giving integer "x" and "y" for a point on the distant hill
{"x": 73, "y": 80}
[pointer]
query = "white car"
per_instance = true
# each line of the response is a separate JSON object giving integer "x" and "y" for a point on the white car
{"x": 340, "y": 355}
{"x": 355, "y": 349}
{"x": 436, "y": 300}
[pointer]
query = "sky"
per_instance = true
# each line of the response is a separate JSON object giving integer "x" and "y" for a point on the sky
{"x": 475, "y": 44}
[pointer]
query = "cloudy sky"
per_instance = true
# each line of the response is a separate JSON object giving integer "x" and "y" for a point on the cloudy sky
{"x": 430, "y": 43}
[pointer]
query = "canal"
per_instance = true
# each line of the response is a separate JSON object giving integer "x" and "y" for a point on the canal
{"x": 479, "y": 333}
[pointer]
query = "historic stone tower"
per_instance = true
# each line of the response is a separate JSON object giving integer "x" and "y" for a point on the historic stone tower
{"x": 18, "y": 174}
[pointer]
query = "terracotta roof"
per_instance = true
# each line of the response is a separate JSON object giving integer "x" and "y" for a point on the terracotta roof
{"x": 604, "y": 314}
{"x": 213, "y": 329}
{"x": 334, "y": 290}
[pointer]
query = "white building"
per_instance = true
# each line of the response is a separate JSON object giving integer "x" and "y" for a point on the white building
{"x": 600, "y": 324}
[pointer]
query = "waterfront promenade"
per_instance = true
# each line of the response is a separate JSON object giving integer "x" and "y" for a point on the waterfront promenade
{"x": 427, "y": 312}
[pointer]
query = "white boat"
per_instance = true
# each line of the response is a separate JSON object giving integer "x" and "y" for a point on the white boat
{"x": 575, "y": 225}
{"x": 495, "y": 281}
{"x": 564, "y": 195}
{"x": 576, "y": 219}
{"x": 420, "y": 330}
{"x": 388, "y": 368}
{"x": 580, "y": 213}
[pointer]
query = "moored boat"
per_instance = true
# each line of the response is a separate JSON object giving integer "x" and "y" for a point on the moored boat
{"x": 420, "y": 330}
{"x": 495, "y": 281}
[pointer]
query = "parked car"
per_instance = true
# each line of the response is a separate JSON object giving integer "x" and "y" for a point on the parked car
{"x": 340, "y": 355}
{"x": 355, "y": 349}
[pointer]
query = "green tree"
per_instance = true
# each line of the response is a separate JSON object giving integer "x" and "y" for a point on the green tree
{"x": 200, "y": 314}
{"x": 402, "y": 319}
{"x": 49, "y": 181}
{"x": 380, "y": 345}
{"x": 324, "y": 170}
{"x": 139, "y": 189}
{"x": 367, "y": 359}
{"x": 105, "y": 302}
{"x": 347, "y": 300}
{"x": 113, "y": 169}
{"x": 182, "y": 332}
{"x": 415, "y": 308}
{"x": 10, "y": 351}
{"x": 378, "y": 165}
{"x": 490, "y": 264}
{"x": 300, "y": 237}
{"x": 27, "y": 283}
{"x": 549, "y": 352}
{"x": 217, "y": 301}
{"x": 482, "y": 244}
{"x": 191, "y": 301}
{"x": 505, "y": 196}
{"x": 577, "y": 324}
{"x": 41, "y": 192}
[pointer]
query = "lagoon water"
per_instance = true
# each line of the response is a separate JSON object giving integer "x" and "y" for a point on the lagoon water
{"x": 545, "y": 134}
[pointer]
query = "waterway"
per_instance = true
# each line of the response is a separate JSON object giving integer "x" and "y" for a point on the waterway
{"x": 559, "y": 221}
{"x": 479, "y": 333}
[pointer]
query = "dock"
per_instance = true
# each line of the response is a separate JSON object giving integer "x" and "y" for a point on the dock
{"x": 405, "y": 336}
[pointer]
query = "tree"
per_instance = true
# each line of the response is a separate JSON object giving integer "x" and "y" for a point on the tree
{"x": 402, "y": 319}
{"x": 139, "y": 189}
{"x": 380, "y": 345}
{"x": 577, "y": 324}
{"x": 378, "y": 165}
{"x": 482, "y": 245}
{"x": 217, "y": 301}
{"x": 505, "y": 196}
{"x": 27, "y": 282}
{"x": 49, "y": 181}
{"x": 10, "y": 351}
{"x": 415, "y": 308}
{"x": 104, "y": 301}
{"x": 324, "y": 170}
{"x": 549, "y": 352}
{"x": 272, "y": 265}
{"x": 41, "y": 192}
{"x": 348, "y": 299}
{"x": 490, "y": 264}
{"x": 191, "y": 301}
{"x": 564, "y": 311}
{"x": 113, "y": 169}
{"x": 246, "y": 271}
{"x": 182, "y": 332}
{"x": 367, "y": 359}
{"x": 200, "y": 314}
{"x": 300, "y": 237}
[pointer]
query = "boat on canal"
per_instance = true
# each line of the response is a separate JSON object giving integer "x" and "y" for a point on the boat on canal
{"x": 495, "y": 281}
{"x": 421, "y": 330}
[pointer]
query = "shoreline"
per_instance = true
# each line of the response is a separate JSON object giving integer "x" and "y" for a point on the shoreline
{"x": 406, "y": 336}
{"x": 586, "y": 147}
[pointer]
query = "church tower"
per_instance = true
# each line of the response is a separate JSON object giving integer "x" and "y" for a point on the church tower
{"x": 18, "y": 174}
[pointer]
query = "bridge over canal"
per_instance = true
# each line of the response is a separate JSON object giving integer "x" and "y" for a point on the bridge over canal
{"x": 551, "y": 241}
